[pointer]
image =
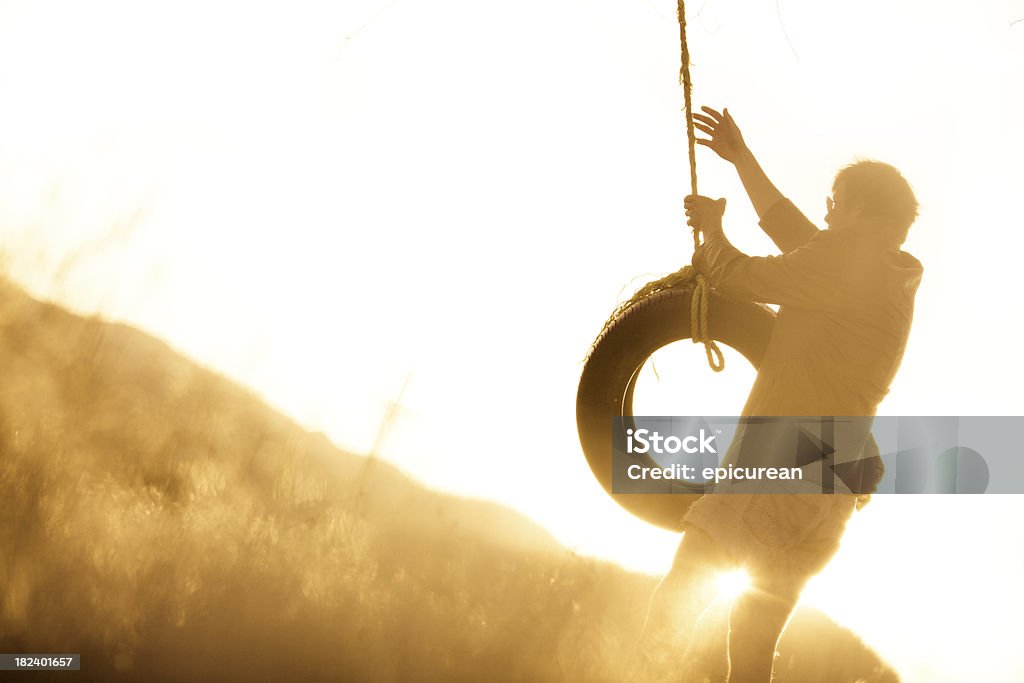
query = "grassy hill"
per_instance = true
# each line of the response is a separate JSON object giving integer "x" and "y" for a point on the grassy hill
{"x": 169, "y": 526}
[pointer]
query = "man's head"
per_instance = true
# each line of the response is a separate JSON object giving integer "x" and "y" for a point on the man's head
{"x": 871, "y": 190}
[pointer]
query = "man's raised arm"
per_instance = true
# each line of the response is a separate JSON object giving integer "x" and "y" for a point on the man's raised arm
{"x": 782, "y": 221}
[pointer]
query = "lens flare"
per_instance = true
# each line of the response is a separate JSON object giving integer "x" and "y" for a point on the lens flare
{"x": 733, "y": 584}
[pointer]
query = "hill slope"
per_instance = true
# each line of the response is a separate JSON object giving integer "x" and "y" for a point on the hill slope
{"x": 168, "y": 525}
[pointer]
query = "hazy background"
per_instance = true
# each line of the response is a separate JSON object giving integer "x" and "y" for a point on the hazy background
{"x": 331, "y": 201}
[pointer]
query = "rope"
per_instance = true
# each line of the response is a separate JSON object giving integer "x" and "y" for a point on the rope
{"x": 701, "y": 299}
{"x": 684, "y": 80}
{"x": 686, "y": 277}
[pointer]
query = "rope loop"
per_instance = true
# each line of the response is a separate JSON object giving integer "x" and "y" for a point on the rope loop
{"x": 699, "y": 329}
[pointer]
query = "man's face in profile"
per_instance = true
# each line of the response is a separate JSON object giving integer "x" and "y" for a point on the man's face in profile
{"x": 842, "y": 211}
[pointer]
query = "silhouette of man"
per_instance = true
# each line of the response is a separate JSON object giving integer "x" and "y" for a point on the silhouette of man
{"x": 846, "y": 297}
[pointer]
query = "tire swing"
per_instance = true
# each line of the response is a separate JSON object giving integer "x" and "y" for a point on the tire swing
{"x": 611, "y": 369}
{"x": 676, "y": 307}
{"x": 679, "y": 306}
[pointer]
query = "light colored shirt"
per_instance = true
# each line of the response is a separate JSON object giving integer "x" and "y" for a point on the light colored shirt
{"x": 846, "y": 304}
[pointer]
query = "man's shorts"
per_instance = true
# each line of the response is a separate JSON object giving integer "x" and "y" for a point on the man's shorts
{"x": 786, "y": 537}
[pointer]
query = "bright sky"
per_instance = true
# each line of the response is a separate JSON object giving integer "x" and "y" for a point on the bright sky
{"x": 322, "y": 199}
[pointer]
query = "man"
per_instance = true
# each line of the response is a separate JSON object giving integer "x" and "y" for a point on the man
{"x": 846, "y": 297}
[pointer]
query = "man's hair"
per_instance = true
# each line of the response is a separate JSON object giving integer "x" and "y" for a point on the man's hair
{"x": 882, "y": 192}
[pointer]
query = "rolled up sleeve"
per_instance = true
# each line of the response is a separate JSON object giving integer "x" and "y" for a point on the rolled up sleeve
{"x": 787, "y": 226}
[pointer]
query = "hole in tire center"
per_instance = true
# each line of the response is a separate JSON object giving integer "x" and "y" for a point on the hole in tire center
{"x": 677, "y": 380}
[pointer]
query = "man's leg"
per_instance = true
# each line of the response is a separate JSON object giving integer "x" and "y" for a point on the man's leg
{"x": 757, "y": 619}
{"x": 759, "y": 616}
{"x": 679, "y": 600}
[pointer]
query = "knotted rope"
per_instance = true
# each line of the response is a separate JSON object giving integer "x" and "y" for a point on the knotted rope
{"x": 701, "y": 298}
{"x": 686, "y": 277}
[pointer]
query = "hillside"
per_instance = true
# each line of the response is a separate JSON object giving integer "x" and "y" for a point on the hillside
{"x": 169, "y": 526}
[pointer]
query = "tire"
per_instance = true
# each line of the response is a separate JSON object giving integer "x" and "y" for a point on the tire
{"x": 610, "y": 373}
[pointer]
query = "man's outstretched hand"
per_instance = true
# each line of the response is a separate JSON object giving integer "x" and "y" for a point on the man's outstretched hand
{"x": 726, "y": 140}
{"x": 704, "y": 213}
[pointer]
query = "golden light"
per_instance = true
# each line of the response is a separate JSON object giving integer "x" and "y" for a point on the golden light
{"x": 297, "y": 155}
{"x": 733, "y": 584}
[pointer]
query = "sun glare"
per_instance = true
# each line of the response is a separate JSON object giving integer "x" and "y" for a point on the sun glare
{"x": 733, "y": 584}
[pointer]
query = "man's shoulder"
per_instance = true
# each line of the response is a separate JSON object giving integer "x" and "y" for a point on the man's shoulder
{"x": 823, "y": 239}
